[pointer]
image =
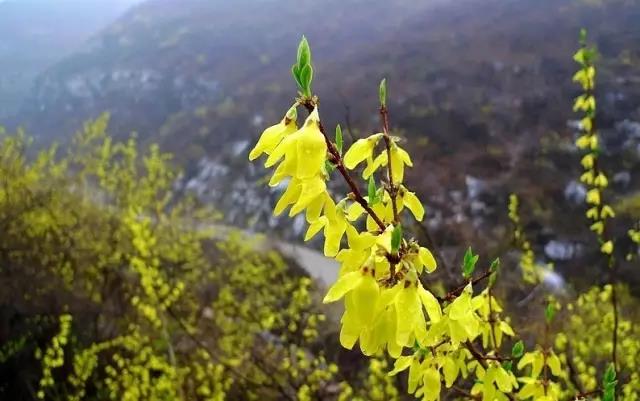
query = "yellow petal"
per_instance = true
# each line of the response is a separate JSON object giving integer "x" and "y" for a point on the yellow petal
{"x": 430, "y": 303}
{"x": 271, "y": 137}
{"x": 408, "y": 306}
{"x": 401, "y": 364}
{"x": 374, "y": 164}
{"x": 344, "y": 285}
{"x": 360, "y": 150}
{"x": 364, "y": 297}
{"x": 315, "y": 227}
{"x": 553, "y": 362}
{"x": 427, "y": 259}
{"x": 411, "y": 201}
{"x": 311, "y": 151}
{"x": 285, "y": 146}
{"x": 310, "y": 190}
{"x": 289, "y": 197}
{"x": 349, "y": 332}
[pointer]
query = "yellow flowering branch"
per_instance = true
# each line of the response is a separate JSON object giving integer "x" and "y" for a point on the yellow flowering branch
{"x": 336, "y": 159}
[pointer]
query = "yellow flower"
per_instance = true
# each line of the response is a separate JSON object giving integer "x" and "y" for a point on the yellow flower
{"x": 411, "y": 201}
{"x": 607, "y": 247}
{"x": 593, "y": 196}
{"x": 587, "y": 177}
{"x": 334, "y": 223}
{"x": 583, "y": 141}
{"x": 300, "y": 194}
{"x": 424, "y": 259}
{"x": 587, "y": 161}
{"x": 601, "y": 180}
{"x": 361, "y": 292}
{"x": 607, "y": 212}
{"x": 305, "y": 150}
{"x": 399, "y": 158}
{"x": 462, "y": 323}
{"x": 359, "y": 249}
{"x": 272, "y": 136}
{"x": 597, "y": 227}
{"x": 361, "y": 150}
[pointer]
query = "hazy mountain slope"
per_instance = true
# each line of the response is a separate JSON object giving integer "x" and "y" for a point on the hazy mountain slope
{"x": 480, "y": 89}
{"x": 36, "y": 33}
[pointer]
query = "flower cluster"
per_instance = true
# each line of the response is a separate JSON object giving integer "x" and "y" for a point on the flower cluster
{"x": 387, "y": 306}
{"x": 589, "y": 142}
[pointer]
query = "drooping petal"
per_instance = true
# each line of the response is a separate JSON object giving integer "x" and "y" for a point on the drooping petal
{"x": 311, "y": 151}
{"x": 271, "y": 137}
{"x": 427, "y": 259}
{"x": 411, "y": 201}
{"x": 360, "y": 151}
{"x": 289, "y": 197}
{"x": 341, "y": 287}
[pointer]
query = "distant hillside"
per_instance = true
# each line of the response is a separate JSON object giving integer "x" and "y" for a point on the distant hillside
{"x": 36, "y": 33}
{"x": 481, "y": 90}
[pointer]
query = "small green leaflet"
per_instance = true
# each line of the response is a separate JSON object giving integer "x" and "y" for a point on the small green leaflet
{"x": 302, "y": 71}
{"x": 609, "y": 375}
{"x": 518, "y": 349}
{"x": 493, "y": 268}
{"x": 382, "y": 92}
{"x": 396, "y": 238}
{"x": 549, "y": 313}
{"x": 339, "y": 142}
{"x": 469, "y": 263}
{"x": 372, "y": 192}
{"x": 609, "y": 384}
{"x": 329, "y": 167}
{"x": 304, "y": 53}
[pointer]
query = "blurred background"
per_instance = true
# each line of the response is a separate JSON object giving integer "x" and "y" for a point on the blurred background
{"x": 480, "y": 92}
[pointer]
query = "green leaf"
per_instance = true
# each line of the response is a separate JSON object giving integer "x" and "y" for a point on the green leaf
{"x": 469, "y": 263}
{"x": 396, "y": 238}
{"x": 304, "y": 53}
{"x": 372, "y": 191}
{"x": 583, "y": 36}
{"x": 339, "y": 141}
{"x": 609, "y": 375}
{"x": 382, "y": 92}
{"x": 306, "y": 76}
{"x": 518, "y": 349}
{"x": 295, "y": 71}
{"x": 493, "y": 268}
{"x": 549, "y": 313}
{"x": 507, "y": 365}
{"x": 329, "y": 167}
{"x": 609, "y": 392}
{"x": 495, "y": 265}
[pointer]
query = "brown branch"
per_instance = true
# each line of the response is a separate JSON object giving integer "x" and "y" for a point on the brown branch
{"x": 465, "y": 393}
{"x": 451, "y": 295}
{"x": 482, "y": 360}
{"x": 336, "y": 159}
{"x": 393, "y": 189}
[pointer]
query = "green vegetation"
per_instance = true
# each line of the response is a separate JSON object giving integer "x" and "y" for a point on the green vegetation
{"x": 117, "y": 287}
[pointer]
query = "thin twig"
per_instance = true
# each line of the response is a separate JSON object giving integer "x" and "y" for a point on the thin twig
{"x": 451, "y": 295}
{"x": 393, "y": 188}
{"x": 336, "y": 159}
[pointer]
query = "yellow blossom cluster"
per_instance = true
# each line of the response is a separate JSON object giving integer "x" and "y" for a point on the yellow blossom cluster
{"x": 53, "y": 355}
{"x": 589, "y": 142}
